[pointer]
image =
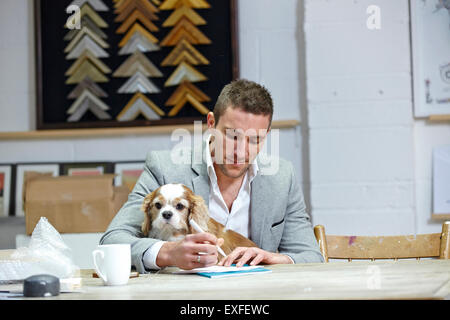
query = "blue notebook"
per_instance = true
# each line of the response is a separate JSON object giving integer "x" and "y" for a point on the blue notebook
{"x": 221, "y": 271}
{"x": 234, "y": 271}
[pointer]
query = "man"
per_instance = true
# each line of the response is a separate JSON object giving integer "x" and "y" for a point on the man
{"x": 267, "y": 208}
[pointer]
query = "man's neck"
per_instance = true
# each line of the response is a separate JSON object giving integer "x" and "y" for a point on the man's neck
{"x": 224, "y": 180}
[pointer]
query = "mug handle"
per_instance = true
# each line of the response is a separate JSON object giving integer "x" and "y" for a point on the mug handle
{"x": 94, "y": 256}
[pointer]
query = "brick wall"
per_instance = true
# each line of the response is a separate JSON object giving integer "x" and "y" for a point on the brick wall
{"x": 360, "y": 117}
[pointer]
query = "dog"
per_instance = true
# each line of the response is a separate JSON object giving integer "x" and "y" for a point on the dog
{"x": 168, "y": 210}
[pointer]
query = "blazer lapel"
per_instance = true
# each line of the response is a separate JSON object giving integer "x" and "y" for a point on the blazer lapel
{"x": 200, "y": 183}
{"x": 201, "y": 187}
{"x": 258, "y": 209}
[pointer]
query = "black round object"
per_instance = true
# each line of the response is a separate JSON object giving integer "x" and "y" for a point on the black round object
{"x": 41, "y": 285}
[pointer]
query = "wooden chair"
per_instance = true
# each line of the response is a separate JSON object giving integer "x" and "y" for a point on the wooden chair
{"x": 434, "y": 245}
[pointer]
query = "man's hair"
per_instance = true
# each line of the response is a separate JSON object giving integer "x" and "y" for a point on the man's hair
{"x": 246, "y": 95}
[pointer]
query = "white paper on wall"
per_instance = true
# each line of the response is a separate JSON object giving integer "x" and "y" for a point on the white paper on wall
{"x": 430, "y": 27}
{"x": 441, "y": 180}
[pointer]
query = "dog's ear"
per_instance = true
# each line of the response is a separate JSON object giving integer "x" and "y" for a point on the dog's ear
{"x": 198, "y": 211}
{"x": 146, "y": 206}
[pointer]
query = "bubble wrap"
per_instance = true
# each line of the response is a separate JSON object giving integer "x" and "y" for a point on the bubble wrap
{"x": 46, "y": 254}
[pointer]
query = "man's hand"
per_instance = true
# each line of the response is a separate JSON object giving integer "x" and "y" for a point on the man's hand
{"x": 243, "y": 255}
{"x": 184, "y": 253}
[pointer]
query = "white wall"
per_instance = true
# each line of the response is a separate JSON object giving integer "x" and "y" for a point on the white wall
{"x": 17, "y": 85}
{"x": 370, "y": 159}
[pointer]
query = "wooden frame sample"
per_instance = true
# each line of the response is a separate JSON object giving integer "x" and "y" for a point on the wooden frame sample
{"x": 85, "y": 168}
{"x": 5, "y": 189}
{"x": 172, "y": 38}
{"x": 21, "y": 174}
{"x": 128, "y": 173}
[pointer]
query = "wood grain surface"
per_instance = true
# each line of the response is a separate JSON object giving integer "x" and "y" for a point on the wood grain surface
{"x": 406, "y": 279}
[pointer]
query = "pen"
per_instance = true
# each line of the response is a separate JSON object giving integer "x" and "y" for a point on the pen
{"x": 198, "y": 229}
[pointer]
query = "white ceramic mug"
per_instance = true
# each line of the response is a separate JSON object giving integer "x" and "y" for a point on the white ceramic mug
{"x": 115, "y": 264}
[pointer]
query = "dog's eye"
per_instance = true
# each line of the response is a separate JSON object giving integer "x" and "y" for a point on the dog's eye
{"x": 158, "y": 205}
{"x": 180, "y": 206}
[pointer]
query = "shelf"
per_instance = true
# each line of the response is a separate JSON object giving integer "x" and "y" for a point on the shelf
{"x": 440, "y": 217}
{"x": 439, "y": 117}
{"x": 115, "y": 132}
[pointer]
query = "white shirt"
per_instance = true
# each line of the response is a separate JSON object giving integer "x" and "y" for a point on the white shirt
{"x": 237, "y": 220}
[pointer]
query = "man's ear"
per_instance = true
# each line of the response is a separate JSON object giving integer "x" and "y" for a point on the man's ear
{"x": 210, "y": 120}
{"x": 146, "y": 206}
{"x": 198, "y": 211}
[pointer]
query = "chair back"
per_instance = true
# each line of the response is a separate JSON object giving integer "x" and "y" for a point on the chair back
{"x": 433, "y": 245}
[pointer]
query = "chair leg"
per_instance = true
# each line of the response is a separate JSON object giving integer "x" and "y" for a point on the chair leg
{"x": 319, "y": 232}
{"x": 444, "y": 251}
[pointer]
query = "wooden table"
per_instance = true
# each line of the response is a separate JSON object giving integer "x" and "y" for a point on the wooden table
{"x": 403, "y": 279}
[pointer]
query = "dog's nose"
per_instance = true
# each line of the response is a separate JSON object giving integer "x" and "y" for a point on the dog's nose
{"x": 167, "y": 215}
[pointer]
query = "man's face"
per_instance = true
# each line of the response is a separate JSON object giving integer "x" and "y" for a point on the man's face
{"x": 239, "y": 138}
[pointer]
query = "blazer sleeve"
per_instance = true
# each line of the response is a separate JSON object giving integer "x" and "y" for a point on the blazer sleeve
{"x": 298, "y": 240}
{"x": 126, "y": 225}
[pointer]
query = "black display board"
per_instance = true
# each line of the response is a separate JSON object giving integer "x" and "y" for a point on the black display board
{"x": 52, "y": 91}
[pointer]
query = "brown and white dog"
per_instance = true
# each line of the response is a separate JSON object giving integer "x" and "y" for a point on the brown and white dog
{"x": 168, "y": 210}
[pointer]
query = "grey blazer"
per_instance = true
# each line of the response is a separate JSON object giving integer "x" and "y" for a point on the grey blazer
{"x": 278, "y": 219}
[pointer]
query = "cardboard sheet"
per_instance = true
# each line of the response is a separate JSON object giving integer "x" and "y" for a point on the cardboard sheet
{"x": 73, "y": 204}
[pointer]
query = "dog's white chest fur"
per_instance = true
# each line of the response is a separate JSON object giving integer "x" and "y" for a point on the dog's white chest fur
{"x": 166, "y": 233}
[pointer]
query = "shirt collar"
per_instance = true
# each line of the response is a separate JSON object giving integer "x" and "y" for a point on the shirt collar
{"x": 252, "y": 171}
